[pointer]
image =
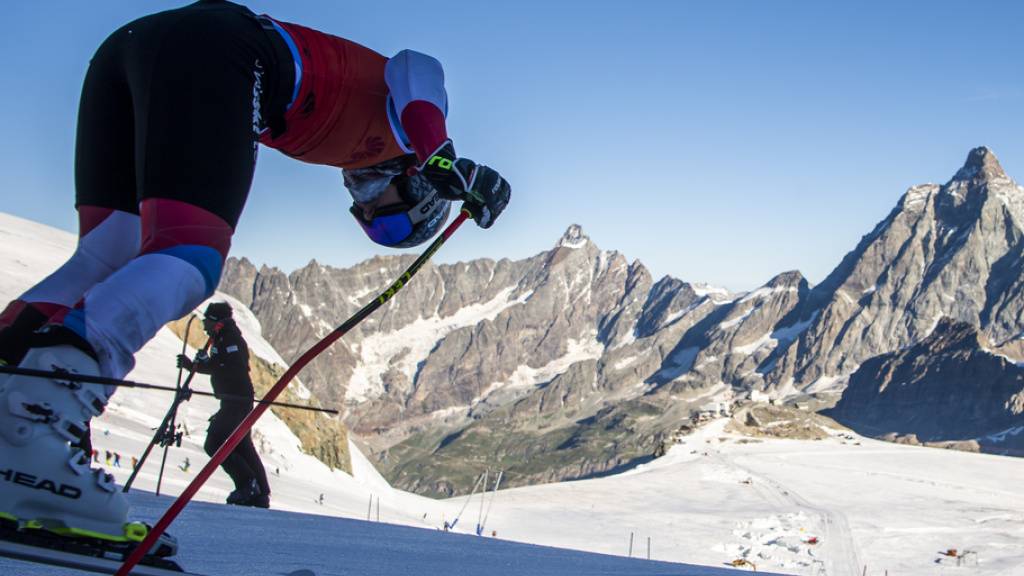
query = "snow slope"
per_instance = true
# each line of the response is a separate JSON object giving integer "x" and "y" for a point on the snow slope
{"x": 231, "y": 541}
{"x": 713, "y": 499}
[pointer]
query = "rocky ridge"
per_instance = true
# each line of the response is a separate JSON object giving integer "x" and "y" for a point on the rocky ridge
{"x": 949, "y": 387}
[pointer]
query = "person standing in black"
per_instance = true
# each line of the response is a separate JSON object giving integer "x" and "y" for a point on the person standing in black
{"x": 228, "y": 366}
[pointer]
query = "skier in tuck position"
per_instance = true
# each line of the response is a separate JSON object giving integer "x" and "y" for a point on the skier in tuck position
{"x": 227, "y": 363}
{"x": 172, "y": 109}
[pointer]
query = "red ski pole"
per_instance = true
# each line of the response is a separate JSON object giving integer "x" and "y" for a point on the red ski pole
{"x": 243, "y": 428}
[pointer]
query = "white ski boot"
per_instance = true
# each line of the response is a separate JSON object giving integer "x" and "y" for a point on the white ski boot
{"x": 44, "y": 482}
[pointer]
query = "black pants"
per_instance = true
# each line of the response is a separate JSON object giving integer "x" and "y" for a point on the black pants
{"x": 172, "y": 106}
{"x": 243, "y": 464}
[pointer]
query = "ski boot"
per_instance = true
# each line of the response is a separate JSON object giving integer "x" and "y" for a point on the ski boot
{"x": 249, "y": 495}
{"x": 47, "y": 488}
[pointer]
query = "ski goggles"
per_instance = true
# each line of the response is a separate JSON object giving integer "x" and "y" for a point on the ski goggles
{"x": 392, "y": 225}
{"x": 367, "y": 184}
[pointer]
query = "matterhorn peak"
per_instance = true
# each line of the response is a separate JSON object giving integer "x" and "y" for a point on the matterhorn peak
{"x": 573, "y": 237}
{"x": 981, "y": 163}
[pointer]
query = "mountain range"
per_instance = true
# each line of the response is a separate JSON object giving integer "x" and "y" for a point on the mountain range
{"x": 576, "y": 362}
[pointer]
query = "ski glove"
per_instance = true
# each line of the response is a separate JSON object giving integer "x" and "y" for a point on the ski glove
{"x": 481, "y": 189}
{"x": 191, "y": 365}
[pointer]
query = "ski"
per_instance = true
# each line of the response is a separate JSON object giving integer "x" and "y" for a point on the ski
{"x": 95, "y": 564}
{"x": 79, "y": 552}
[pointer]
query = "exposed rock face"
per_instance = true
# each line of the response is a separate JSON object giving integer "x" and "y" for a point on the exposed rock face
{"x": 945, "y": 251}
{"x": 774, "y": 421}
{"x": 946, "y": 388}
{"x": 576, "y": 362}
{"x": 562, "y": 345}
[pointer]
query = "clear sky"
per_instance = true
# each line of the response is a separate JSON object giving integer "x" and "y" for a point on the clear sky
{"x": 719, "y": 142}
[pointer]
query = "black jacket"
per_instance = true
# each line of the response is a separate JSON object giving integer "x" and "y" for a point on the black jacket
{"x": 228, "y": 363}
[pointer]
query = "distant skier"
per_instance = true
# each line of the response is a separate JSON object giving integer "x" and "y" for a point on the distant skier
{"x": 172, "y": 109}
{"x": 185, "y": 465}
{"x": 228, "y": 366}
{"x": 117, "y": 460}
{"x": 321, "y": 499}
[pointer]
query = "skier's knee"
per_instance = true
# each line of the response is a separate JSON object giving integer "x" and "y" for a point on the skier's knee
{"x": 193, "y": 235}
{"x": 109, "y": 239}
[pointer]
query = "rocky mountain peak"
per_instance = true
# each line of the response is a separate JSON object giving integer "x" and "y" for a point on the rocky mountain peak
{"x": 573, "y": 237}
{"x": 981, "y": 164}
{"x": 788, "y": 279}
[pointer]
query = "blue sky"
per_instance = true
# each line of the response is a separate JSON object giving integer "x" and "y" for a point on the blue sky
{"x": 719, "y": 142}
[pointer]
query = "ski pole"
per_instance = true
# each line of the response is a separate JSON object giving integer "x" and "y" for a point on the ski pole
{"x": 72, "y": 377}
{"x": 243, "y": 428}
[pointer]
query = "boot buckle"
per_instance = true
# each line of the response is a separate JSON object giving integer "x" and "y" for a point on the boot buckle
{"x": 21, "y": 406}
{"x": 93, "y": 401}
{"x": 58, "y": 371}
{"x": 79, "y": 462}
{"x": 105, "y": 480}
{"x": 69, "y": 430}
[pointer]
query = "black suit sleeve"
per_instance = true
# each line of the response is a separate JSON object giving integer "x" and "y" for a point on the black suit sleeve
{"x": 230, "y": 358}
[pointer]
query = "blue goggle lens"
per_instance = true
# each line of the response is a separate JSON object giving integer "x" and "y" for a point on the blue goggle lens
{"x": 387, "y": 230}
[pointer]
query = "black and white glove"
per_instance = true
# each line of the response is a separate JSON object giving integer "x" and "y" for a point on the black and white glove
{"x": 481, "y": 189}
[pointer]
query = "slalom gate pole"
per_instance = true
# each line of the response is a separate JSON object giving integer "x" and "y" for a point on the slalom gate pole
{"x": 169, "y": 418}
{"x": 145, "y": 454}
{"x": 182, "y": 394}
{"x": 72, "y": 377}
{"x": 243, "y": 428}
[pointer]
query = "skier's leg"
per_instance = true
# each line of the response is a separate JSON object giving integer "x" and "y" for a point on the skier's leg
{"x": 108, "y": 238}
{"x": 108, "y": 219}
{"x": 39, "y": 418}
{"x": 178, "y": 267}
{"x": 195, "y": 152}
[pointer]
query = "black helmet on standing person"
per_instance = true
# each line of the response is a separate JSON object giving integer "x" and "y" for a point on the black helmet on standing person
{"x": 217, "y": 311}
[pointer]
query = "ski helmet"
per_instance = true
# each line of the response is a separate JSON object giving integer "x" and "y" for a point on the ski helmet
{"x": 416, "y": 219}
